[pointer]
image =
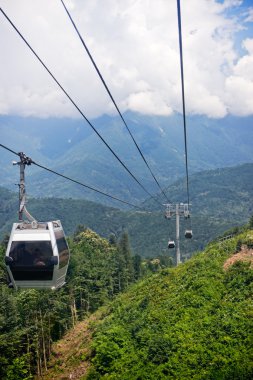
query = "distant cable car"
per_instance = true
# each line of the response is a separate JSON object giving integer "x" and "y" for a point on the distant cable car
{"x": 171, "y": 244}
{"x": 37, "y": 254}
{"x": 188, "y": 234}
{"x": 187, "y": 214}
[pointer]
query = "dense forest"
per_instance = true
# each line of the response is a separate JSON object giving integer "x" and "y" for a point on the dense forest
{"x": 193, "y": 321}
{"x": 190, "y": 322}
{"x": 105, "y": 265}
{"x": 30, "y": 320}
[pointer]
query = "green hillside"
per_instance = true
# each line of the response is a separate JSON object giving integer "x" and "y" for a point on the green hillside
{"x": 193, "y": 321}
{"x": 225, "y": 192}
{"x": 30, "y": 319}
{"x": 190, "y": 322}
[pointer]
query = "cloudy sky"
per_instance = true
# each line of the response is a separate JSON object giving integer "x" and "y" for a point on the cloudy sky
{"x": 135, "y": 45}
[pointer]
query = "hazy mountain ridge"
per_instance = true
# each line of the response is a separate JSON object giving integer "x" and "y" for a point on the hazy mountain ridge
{"x": 71, "y": 147}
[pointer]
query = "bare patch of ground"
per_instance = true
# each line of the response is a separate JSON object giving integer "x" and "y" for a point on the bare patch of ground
{"x": 70, "y": 355}
{"x": 245, "y": 255}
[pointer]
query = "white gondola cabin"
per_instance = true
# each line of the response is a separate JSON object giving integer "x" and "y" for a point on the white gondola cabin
{"x": 37, "y": 255}
{"x": 171, "y": 244}
{"x": 188, "y": 234}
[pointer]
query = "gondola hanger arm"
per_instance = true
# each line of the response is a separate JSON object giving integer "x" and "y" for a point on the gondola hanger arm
{"x": 24, "y": 160}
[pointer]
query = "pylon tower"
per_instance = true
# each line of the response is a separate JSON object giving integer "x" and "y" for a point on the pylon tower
{"x": 177, "y": 209}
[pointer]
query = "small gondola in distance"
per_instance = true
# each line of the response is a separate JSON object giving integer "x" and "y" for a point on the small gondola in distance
{"x": 188, "y": 234}
{"x": 171, "y": 244}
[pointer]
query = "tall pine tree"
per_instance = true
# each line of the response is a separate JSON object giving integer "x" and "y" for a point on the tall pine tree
{"x": 125, "y": 256}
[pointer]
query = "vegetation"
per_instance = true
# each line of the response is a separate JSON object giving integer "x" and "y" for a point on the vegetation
{"x": 192, "y": 322}
{"x": 30, "y": 320}
{"x": 188, "y": 322}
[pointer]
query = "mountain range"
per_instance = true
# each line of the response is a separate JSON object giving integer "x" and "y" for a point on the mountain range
{"x": 70, "y": 147}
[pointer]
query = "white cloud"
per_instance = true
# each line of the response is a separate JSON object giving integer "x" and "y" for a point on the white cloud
{"x": 249, "y": 15}
{"x": 248, "y": 45}
{"x": 206, "y": 103}
{"x": 231, "y": 3}
{"x": 148, "y": 103}
{"x": 239, "y": 85}
{"x": 135, "y": 45}
{"x": 239, "y": 95}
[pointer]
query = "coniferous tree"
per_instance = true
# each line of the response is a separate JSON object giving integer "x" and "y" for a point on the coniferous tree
{"x": 137, "y": 266}
{"x": 5, "y": 240}
{"x": 113, "y": 239}
{"x": 80, "y": 228}
{"x": 127, "y": 261}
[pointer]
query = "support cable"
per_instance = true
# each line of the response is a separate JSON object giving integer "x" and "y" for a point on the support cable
{"x": 112, "y": 98}
{"x": 183, "y": 96}
{"x": 78, "y": 109}
{"x": 72, "y": 180}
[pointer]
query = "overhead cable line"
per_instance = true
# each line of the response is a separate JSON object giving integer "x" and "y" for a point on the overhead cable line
{"x": 73, "y": 180}
{"x": 112, "y": 98}
{"x": 78, "y": 109}
{"x": 183, "y": 96}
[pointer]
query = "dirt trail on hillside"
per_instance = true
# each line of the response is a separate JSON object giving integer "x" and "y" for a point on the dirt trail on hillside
{"x": 246, "y": 255}
{"x": 70, "y": 355}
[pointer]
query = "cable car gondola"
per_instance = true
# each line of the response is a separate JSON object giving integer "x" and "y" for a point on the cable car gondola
{"x": 188, "y": 234}
{"x": 171, "y": 244}
{"x": 37, "y": 254}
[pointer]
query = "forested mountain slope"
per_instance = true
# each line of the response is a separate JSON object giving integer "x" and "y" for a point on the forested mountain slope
{"x": 30, "y": 319}
{"x": 224, "y": 192}
{"x": 220, "y": 198}
{"x": 189, "y": 322}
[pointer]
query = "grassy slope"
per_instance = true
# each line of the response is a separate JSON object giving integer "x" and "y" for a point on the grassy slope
{"x": 190, "y": 322}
